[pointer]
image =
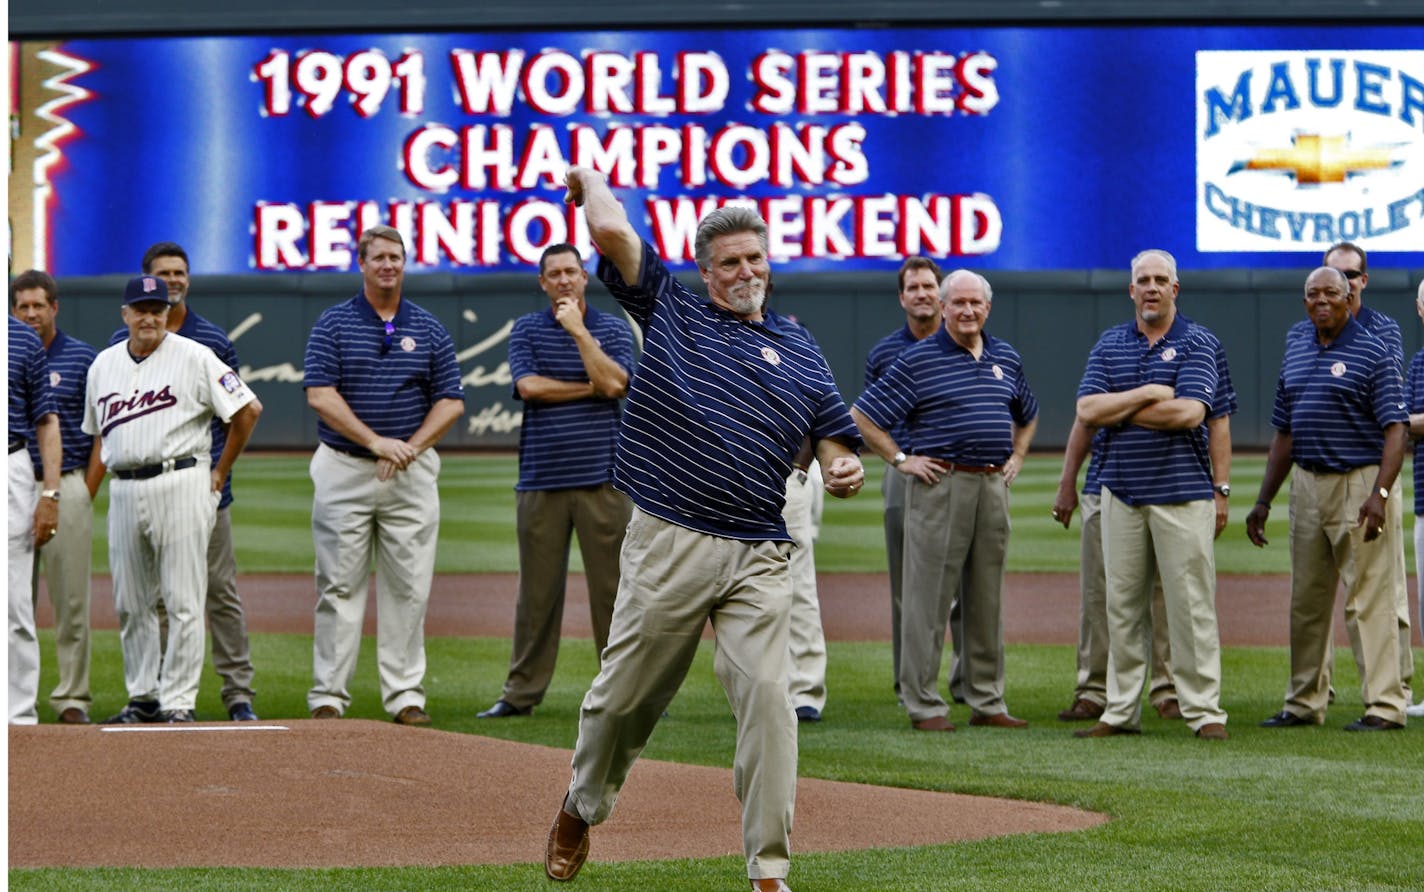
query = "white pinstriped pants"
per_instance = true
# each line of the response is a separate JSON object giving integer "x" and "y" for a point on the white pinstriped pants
{"x": 158, "y": 548}
{"x": 807, "y": 640}
{"x": 24, "y": 649}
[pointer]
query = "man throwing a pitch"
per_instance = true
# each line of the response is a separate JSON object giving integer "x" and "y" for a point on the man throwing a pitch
{"x": 150, "y": 399}
{"x": 722, "y": 400}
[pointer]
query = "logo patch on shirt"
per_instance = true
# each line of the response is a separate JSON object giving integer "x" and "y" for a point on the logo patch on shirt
{"x": 230, "y": 382}
{"x": 54, "y": 379}
{"x": 408, "y": 343}
{"x": 1337, "y": 369}
{"x": 998, "y": 372}
{"x": 1169, "y": 354}
{"x": 771, "y": 356}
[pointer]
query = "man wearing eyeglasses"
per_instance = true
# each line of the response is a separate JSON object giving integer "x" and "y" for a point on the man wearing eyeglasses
{"x": 1340, "y": 418}
{"x": 382, "y": 376}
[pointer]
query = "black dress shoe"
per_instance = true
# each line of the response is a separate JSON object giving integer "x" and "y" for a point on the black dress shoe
{"x": 1373, "y": 723}
{"x": 503, "y": 710}
{"x": 1284, "y": 719}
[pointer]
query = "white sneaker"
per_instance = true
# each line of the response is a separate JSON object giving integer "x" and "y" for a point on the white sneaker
{"x": 1415, "y": 711}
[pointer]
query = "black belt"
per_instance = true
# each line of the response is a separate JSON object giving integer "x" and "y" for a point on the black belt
{"x": 363, "y": 454}
{"x": 148, "y": 471}
{"x": 16, "y": 444}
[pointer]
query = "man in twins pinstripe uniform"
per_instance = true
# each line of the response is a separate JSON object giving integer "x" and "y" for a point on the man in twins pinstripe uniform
{"x": 570, "y": 366}
{"x": 1341, "y": 419}
{"x": 722, "y": 400}
{"x": 232, "y": 654}
{"x": 151, "y": 400}
{"x": 33, "y": 517}
{"x": 381, "y": 375}
{"x": 34, "y": 299}
{"x": 1155, "y": 384}
{"x": 964, "y": 399}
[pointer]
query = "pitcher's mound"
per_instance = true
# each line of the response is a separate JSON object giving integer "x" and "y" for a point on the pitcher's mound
{"x": 363, "y": 793}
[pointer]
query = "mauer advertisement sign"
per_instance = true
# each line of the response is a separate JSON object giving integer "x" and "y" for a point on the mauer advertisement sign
{"x": 1011, "y": 148}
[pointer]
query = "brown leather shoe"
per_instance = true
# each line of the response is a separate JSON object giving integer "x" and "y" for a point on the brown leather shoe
{"x": 1081, "y": 711}
{"x": 1213, "y": 731}
{"x": 568, "y": 846}
{"x": 1103, "y": 729}
{"x": 74, "y": 716}
{"x": 412, "y": 715}
{"x": 770, "y": 884}
{"x": 997, "y": 720}
{"x": 1169, "y": 708}
{"x": 326, "y": 712}
{"x": 933, "y": 723}
{"x": 1373, "y": 723}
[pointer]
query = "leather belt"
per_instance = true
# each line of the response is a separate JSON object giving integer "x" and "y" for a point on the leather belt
{"x": 147, "y": 471}
{"x": 363, "y": 454}
{"x": 975, "y": 469}
{"x": 16, "y": 444}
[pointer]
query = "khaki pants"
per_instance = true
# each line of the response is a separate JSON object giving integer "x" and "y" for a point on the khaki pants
{"x": 64, "y": 563}
{"x": 673, "y": 580}
{"x": 1176, "y": 541}
{"x": 545, "y": 520}
{"x": 893, "y": 489}
{"x": 1327, "y": 549}
{"x": 356, "y": 518}
{"x": 956, "y": 539}
{"x": 1092, "y": 683}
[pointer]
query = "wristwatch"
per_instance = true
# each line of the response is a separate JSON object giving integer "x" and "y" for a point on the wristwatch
{"x": 1223, "y": 488}
{"x": 50, "y": 494}
{"x": 898, "y": 460}
{"x": 1384, "y": 493}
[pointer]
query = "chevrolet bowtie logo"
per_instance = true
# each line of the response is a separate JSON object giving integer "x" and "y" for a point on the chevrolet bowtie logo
{"x": 1314, "y": 159}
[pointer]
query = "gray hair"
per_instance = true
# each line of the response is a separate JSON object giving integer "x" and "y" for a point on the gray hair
{"x": 726, "y": 221}
{"x": 948, "y": 280}
{"x": 1153, "y": 252}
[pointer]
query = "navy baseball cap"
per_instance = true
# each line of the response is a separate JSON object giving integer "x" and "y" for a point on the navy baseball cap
{"x": 144, "y": 288}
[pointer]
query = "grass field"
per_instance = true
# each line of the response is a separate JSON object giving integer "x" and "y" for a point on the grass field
{"x": 272, "y": 520}
{"x": 1310, "y": 808}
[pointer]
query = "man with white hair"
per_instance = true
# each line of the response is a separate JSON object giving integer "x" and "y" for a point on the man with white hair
{"x": 970, "y": 416}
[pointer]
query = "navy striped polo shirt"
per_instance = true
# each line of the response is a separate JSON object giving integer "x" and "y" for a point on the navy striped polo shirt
{"x": 69, "y": 360}
{"x": 1156, "y": 467}
{"x": 878, "y": 362}
{"x": 196, "y": 328}
{"x": 570, "y": 444}
{"x": 1376, "y": 323}
{"x": 1225, "y": 404}
{"x": 389, "y": 385}
{"x": 956, "y": 407}
{"x": 1336, "y": 400}
{"x": 1414, "y": 394}
{"x": 717, "y": 410}
{"x": 29, "y": 391}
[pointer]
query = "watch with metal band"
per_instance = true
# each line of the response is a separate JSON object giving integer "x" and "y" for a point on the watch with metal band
{"x": 1222, "y": 488}
{"x": 50, "y": 494}
{"x": 898, "y": 460}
